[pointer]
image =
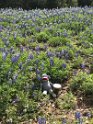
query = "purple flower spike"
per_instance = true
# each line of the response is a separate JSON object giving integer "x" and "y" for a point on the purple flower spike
{"x": 20, "y": 65}
{"x": 30, "y": 56}
{"x": 89, "y": 115}
{"x": 77, "y": 115}
{"x": 82, "y": 66}
{"x": 50, "y": 54}
{"x": 15, "y": 58}
{"x": 37, "y": 71}
{"x": 1, "y": 28}
{"x": 21, "y": 48}
{"x": 15, "y": 77}
{"x": 38, "y": 78}
{"x": 37, "y": 48}
{"x": 64, "y": 65}
{"x": 80, "y": 121}
{"x": 11, "y": 50}
{"x": 41, "y": 120}
{"x": 51, "y": 62}
{"x": 4, "y": 55}
{"x": 64, "y": 121}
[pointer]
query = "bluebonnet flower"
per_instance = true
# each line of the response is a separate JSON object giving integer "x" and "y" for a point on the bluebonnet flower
{"x": 50, "y": 54}
{"x": 42, "y": 66}
{"x": 15, "y": 77}
{"x": 30, "y": 69}
{"x": 76, "y": 54}
{"x": 37, "y": 61}
{"x": 67, "y": 56}
{"x": 82, "y": 66}
{"x": 38, "y": 29}
{"x": 15, "y": 35}
{"x": 21, "y": 48}
{"x": 1, "y": 28}
{"x": 4, "y": 55}
{"x": 41, "y": 120}
{"x": 77, "y": 115}
{"x": 15, "y": 58}
{"x": 62, "y": 52}
{"x": 1, "y": 20}
{"x": 30, "y": 56}
{"x": 33, "y": 24}
{"x": 39, "y": 77}
{"x": 37, "y": 71}
{"x": 11, "y": 50}
{"x": 37, "y": 48}
{"x": 2, "y": 50}
{"x": 33, "y": 87}
{"x": 75, "y": 72}
{"x": 89, "y": 115}
{"x": 64, "y": 121}
{"x": 65, "y": 34}
{"x": 51, "y": 62}
{"x": 45, "y": 47}
{"x": 64, "y": 65}
{"x": 7, "y": 43}
{"x": 20, "y": 65}
{"x": 80, "y": 121}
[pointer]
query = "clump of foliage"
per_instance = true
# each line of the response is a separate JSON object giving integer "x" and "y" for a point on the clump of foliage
{"x": 66, "y": 101}
{"x": 42, "y": 37}
{"x": 58, "y": 41}
{"x": 82, "y": 82}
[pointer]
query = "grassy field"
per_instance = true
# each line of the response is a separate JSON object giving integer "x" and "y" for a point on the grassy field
{"x": 58, "y": 42}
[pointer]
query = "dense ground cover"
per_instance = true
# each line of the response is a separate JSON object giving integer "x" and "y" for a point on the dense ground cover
{"x": 58, "y": 42}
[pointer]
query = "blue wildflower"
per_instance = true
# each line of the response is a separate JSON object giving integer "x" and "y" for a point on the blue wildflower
{"x": 64, "y": 65}
{"x": 33, "y": 87}
{"x": 20, "y": 65}
{"x": 41, "y": 120}
{"x": 15, "y": 77}
{"x": 4, "y": 55}
{"x": 1, "y": 28}
{"x": 89, "y": 115}
{"x": 51, "y": 62}
{"x": 30, "y": 69}
{"x": 76, "y": 54}
{"x": 42, "y": 66}
{"x": 45, "y": 47}
{"x": 82, "y": 66}
{"x": 2, "y": 49}
{"x": 64, "y": 121}
{"x": 30, "y": 56}
{"x": 50, "y": 54}
{"x": 15, "y": 58}
{"x": 80, "y": 121}
{"x": 12, "y": 51}
{"x": 36, "y": 62}
{"x": 77, "y": 115}
{"x": 37, "y": 48}
{"x": 21, "y": 48}
{"x": 62, "y": 52}
{"x": 37, "y": 71}
{"x": 38, "y": 77}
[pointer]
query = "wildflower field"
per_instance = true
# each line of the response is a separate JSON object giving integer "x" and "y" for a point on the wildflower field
{"x": 58, "y": 42}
